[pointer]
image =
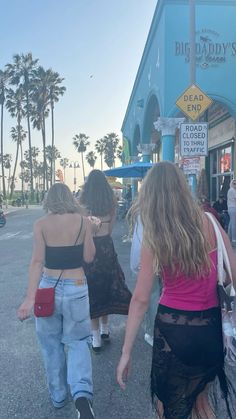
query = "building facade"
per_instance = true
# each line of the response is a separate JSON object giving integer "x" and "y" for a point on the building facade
{"x": 164, "y": 74}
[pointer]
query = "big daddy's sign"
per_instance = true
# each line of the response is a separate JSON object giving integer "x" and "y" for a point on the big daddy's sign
{"x": 211, "y": 51}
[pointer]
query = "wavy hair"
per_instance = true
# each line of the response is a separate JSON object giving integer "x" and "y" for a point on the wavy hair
{"x": 97, "y": 195}
{"x": 172, "y": 220}
{"x": 60, "y": 200}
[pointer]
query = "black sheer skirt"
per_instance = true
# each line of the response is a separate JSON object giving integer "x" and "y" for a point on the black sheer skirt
{"x": 187, "y": 355}
{"x": 108, "y": 292}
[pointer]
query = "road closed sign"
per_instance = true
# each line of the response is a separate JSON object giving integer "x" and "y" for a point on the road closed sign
{"x": 193, "y": 102}
{"x": 194, "y": 140}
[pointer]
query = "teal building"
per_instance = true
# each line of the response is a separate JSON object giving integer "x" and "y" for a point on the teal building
{"x": 152, "y": 120}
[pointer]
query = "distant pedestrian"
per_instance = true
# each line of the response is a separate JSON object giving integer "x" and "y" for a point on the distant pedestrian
{"x": 222, "y": 209}
{"x": 206, "y": 206}
{"x": 179, "y": 244}
{"x": 231, "y": 202}
{"x": 26, "y": 199}
{"x": 62, "y": 243}
{"x": 108, "y": 293}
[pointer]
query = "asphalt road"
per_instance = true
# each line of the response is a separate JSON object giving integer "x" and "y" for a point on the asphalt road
{"x": 23, "y": 391}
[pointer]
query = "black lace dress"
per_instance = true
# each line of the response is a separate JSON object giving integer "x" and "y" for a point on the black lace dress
{"x": 187, "y": 355}
{"x": 108, "y": 292}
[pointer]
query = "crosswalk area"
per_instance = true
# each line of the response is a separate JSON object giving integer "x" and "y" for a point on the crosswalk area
{"x": 15, "y": 235}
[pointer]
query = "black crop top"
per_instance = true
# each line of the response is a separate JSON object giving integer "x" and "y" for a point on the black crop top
{"x": 65, "y": 257}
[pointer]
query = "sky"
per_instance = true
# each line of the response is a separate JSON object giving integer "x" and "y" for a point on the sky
{"x": 96, "y": 45}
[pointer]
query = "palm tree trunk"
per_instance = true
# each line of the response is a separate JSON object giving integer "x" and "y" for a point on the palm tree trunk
{"x": 101, "y": 162}
{"x": 2, "y": 162}
{"x": 9, "y": 180}
{"x": 14, "y": 170}
{"x": 29, "y": 140}
{"x": 45, "y": 175}
{"x": 82, "y": 157}
{"x": 52, "y": 161}
{"x": 22, "y": 170}
{"x": 17, "y": 153}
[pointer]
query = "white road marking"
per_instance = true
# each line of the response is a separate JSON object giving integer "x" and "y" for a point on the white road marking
{"x": 8, "y": 236}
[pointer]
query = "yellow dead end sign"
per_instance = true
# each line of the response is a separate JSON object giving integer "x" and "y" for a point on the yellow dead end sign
{"x": 193, "y": 102}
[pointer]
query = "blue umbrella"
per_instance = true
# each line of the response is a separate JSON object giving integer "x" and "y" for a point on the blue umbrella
{"x": 138, "y": 169}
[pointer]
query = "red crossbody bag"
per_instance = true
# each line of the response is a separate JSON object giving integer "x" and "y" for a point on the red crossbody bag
{"x": 45, "y": 297}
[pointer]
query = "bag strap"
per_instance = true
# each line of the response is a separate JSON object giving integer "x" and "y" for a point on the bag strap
{"x": 222, "y": 255}
{"x": 81, "y": 225}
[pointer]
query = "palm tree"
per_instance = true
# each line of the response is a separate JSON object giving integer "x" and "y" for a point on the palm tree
{"x": 111, "y": 144}
{"x": 55, "y": 90}
{"x": 52, "y": 154}
{"x": 14, "y": 104}
{"x": 3, "y": 91}
{"x": 7, "y": 158}
{"x": 18, "y": 135}
{"x": 64, "y": 163}
{"x": 91, "y": 158}
{"x": 119, "y": 153}
{"x": 39, "y": 111}
{"x": 21, "y": 72}
{"x": 100, "y": 148}
{"x": 81, "y": 142}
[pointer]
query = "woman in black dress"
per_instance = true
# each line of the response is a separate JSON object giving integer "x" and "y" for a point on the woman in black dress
{"x": 108, "y": 293}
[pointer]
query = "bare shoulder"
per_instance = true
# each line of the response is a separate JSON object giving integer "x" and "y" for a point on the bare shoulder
{"x": 40, "y": 222}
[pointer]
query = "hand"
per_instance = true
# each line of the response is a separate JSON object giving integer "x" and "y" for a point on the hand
{"x": 95, "y": 223}
{"x": 123, "y": 370}
{"x": 24, "y": 311}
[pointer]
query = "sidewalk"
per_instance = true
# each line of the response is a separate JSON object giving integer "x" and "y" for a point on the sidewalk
{"x": 10, "y": 210}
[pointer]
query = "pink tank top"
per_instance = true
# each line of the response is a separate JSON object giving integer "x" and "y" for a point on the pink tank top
{"x": 188, "y": 293}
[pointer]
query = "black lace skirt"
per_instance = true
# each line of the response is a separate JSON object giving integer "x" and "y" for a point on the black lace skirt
{"x": 108, "y": 292}
{"x": 187, "y": 355}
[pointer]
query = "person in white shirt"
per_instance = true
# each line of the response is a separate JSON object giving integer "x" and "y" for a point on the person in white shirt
{"x": 231, "y": 202}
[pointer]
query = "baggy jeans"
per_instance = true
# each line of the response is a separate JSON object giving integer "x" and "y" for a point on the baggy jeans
{"x": 69, "y": 325}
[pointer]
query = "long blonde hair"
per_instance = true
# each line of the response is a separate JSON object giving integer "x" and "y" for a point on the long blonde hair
{"x": 59, "y": 200}
{"x": 172, "y": 220}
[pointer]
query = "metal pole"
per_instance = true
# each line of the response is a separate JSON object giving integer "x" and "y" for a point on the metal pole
{"x": 192, "y": 41}
{"x": 75, "y": 177}
{"x": 192, "y": 69}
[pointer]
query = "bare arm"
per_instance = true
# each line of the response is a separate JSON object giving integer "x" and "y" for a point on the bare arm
{"x": 89, "y": 247}
{"x": 137, "y": 309}
{"x": 35, "y": 271}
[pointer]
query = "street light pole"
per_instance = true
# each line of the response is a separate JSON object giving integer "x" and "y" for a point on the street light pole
{"x": 192, "y": 43}
{"x": 75, "y": 165}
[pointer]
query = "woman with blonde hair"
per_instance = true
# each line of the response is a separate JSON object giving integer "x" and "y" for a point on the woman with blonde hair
{"x": 108, "y": 293}
{"x": 63, "y": 241}
{"x": 179, "y": 244}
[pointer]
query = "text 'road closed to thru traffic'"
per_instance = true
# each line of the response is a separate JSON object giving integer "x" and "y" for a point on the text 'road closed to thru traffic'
{"x": 193, "y": 139}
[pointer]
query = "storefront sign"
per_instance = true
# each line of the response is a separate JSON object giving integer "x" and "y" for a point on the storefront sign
{"x": 193, "y": 102}
{"x": 194, "y": 139}
{"x": 211, "y": 50}
{"x": 191, "y": 165}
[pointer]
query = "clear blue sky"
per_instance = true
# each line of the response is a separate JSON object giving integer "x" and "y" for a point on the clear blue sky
{"x": 80, "y": 38}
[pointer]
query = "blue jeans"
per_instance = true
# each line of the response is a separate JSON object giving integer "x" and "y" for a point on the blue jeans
{"x": 69, "y": 325}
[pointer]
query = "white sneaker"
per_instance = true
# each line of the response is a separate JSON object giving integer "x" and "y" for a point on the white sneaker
{"x": 96, "y": 341}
